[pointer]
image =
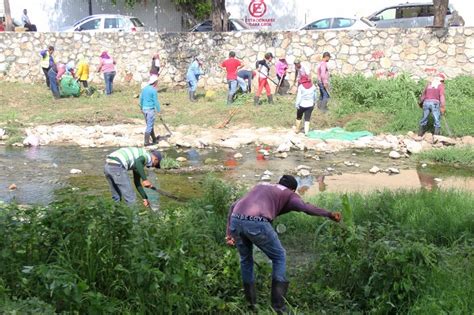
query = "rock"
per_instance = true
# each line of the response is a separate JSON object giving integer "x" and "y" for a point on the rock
{"x": 392, "y": 170}
{"x": 330, "y": 169}
{"x": 75, "y": 171}
{"x": 12, "y": 187}
{"x": 268, "y": 173}
{"x": 374, "y": 170}
{"x": 182, "y": 143}
{"x": 348, "y": 163}
{"x": 303, "y": 167}
{"x": 238, "y": 155}
{"x": 377, "y": 150}
{"x": 4, "y": 137}
{"x": 428, "y": 137}
{"x": 17, "y": 144}
{"x": 438, "y": 180}
{"x": 210, "y": 161}
{"x": 282, "y": 155}
{"x": 304, "y": 173}
{"x": 181, "y": 159}
{"x": 394, "y": 155}
{"x": 284, "y": 147}
{"x": 31, "y": 140}
{"x": 2, "y": 132}
{"x": 266, "y": 178}
{"x": 413, "y": 146}
{"x": 230, "y": 143}
{"x": 444, "y": 140}
{"x": 424, "y": 165}
{"x": 163, "y": 144}
{"x": 467, "y": 140}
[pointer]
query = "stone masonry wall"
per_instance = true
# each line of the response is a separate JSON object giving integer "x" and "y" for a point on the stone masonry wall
{"x": 380, "y": 52}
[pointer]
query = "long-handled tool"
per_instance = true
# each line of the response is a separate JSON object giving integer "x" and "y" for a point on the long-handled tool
{"x": 258, "y": 70}
{"x": 226, "y": 122}
{"x": 277, "y": 89}
{"x": 446, "y": 125}
{"x": 167, "y": 194}
{"x": 166, "y": 127}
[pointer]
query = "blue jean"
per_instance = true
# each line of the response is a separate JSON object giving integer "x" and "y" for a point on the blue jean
{"x": 109, "y": 81}
{"x": 232, "y": 87}
{"x": 433, "y": 107}
{"x": 242, "y": 84}
{"x": 323, "y": 93}
{"x": 150, "y": 119}
{"x": 53, "y": 84}
{"x": 119, "y": 182}
{"x": 261, "y": 234}
{"x": 192, "y": 85}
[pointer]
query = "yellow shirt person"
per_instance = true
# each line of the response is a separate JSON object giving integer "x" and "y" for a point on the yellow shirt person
{"x": 83, "y": 72}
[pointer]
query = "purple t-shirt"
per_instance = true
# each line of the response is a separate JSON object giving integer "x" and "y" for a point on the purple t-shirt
{"x": 271, "y": 200}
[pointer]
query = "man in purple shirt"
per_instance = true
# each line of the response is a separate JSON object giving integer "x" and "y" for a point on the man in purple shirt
{"x": 323, "y": 82}
{"x": 249, "y": 223}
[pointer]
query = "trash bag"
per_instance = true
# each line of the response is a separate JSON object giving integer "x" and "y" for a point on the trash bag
{"x": 69, "y": 86}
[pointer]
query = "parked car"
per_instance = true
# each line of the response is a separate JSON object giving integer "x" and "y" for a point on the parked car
{"x": 106, "y": 23}
{"x": 339, "y": 23}
{"x": 407, "y": 15}
{"x": 233, "y": 25}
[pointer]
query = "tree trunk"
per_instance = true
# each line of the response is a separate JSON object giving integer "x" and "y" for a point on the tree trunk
{"x": 440, "y": 9}
{"x": 219, "y": 16}
{"x": 8, "y": 16}
{"x": 90, "y": 7}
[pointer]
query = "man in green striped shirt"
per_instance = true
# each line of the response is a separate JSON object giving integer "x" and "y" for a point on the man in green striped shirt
{"x": 117, "y": 165}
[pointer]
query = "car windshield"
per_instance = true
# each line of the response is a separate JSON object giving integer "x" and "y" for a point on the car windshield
{"x": 136, "y": 22}
{"x": 81, "y": 20}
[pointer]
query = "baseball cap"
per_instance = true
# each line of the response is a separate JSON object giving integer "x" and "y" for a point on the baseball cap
{"x": 158, "y": 155}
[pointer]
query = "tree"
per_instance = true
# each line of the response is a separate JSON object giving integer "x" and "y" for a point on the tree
{"x": 90, "y": 7}
{"x": 8, "y": 16}
{"x": 219, "y": 16}
{"x": 440, "y": 10}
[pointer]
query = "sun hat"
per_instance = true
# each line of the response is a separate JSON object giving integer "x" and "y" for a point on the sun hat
{"x": 153, "y": 78}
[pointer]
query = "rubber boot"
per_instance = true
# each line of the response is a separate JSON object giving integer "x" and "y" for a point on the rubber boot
{"x": 147, "y": 139}
{"x": 323, "y": 105}
{"x": 256, "y": 100}
{"x": 270, "y": 99}
{"x": 192, "y": 97}
{"x": 250, "y": 295}
{"x": 154, "y": 139}
{"x": 421, "y": 131}
{"x": 298, "y": 125}
{"x": 306, "y": 127}
{"x": 229, "y": 99}
{"x": 279, "y": 289}
{"x": 437, "y": 131}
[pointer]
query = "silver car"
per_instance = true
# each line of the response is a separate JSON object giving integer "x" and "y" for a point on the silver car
{"x": 106, "y": 23}
{"x": 407, "y": 15}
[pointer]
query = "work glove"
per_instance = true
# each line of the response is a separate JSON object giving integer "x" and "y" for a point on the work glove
{"x": 335, "y": 216}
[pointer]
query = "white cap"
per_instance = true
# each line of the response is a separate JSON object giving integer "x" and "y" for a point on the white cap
{"x": 153, "y": 78}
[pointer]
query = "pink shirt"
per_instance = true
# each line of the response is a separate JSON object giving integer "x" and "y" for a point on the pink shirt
{"x": 323, "y": 72}
{"x": 61, "y": 67}
{"x": 281, "y": 67}
{"x": 106, "y": 65}
{"x": 434, "y": 94}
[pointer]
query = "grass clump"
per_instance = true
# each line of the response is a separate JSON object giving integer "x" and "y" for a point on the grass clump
{"x": 395, "y": 252}
{"x": 456, "y": 156}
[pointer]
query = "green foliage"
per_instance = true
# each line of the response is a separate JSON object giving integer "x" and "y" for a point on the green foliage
{"x": 395, "y": 103}
{"x": 169, "y": 163}
{"x": 394, "y": 252}
{"x": 463, "y": 156}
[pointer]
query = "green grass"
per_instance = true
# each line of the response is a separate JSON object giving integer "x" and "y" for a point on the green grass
{"x": 357, "y": 103}
{"x": 455, "y": 156}
{"x": 404, "y": 252}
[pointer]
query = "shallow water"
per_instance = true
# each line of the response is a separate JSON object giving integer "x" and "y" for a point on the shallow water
{"x": 39, "y": 172}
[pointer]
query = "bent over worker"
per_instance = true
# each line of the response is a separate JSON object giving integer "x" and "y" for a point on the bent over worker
{"x": 433, "y": 101}
{"x": 249, "y": 223}
{"x": 119, "y": 162}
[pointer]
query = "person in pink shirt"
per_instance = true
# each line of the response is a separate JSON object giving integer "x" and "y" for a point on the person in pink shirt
{"x": 281, "y": 66}
{"x": 231, "y": 65}
{"x": 323, "y": 82}
{"x": 249, "y": 223}
{"x": 107, "y": 66}
{"x": 433, "y": 101}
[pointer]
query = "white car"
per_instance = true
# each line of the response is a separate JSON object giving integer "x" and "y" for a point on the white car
{"x": 106, "y": 23}
{"x": 339, "y": 23}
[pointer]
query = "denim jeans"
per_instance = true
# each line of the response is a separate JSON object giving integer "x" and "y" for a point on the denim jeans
{"x": 119, "y": 182}
{"x": 261, "y": 234}
{"x": 150, "y": 119}
{"x": 323, "y": 93}
{"x": 242, "y": 84}
{"x": 109, "y": 80}
{"x": 192, "y": 85}
{"x": 45, "y": 71}
{"x": 53, "y": 84}
{"x": 232, "y": 87}
{"x": 433, "y": 107}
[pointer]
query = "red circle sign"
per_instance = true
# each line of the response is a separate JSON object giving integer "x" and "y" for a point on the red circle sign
{"x": 257, "y": 8}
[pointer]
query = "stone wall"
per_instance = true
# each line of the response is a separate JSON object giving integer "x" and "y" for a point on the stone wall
{"x": 383, "y": 53}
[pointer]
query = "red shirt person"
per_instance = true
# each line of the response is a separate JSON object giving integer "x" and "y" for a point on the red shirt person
{"x": 231, "y": 65}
